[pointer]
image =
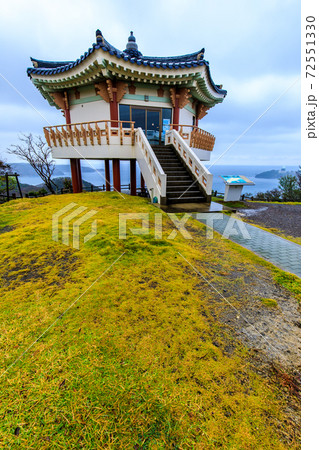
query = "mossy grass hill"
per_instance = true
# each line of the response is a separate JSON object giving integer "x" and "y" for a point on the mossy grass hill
{"x": 132, "y": 356}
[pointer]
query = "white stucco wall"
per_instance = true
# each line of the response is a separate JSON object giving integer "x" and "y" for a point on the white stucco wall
{"x": 185, "y": 117}
{"x": 88, "y": 112}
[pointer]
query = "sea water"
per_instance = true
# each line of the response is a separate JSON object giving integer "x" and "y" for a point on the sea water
{"x": 93, "y": 172}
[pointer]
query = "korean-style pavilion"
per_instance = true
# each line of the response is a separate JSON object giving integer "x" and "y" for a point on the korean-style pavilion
{"x": 121, "y": 105}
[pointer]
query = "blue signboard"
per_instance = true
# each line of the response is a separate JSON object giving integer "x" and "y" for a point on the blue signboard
{"x": 233, "y": 179}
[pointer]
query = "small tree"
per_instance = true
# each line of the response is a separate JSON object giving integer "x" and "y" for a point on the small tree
{"x": 67, "y": 184}
{"x": 4, "y": 167}
{"x": 273, "y": 195}
{"x": 298, "y": 177}
{"x": 35, "y": 151}
{"x": 289, "y": 188}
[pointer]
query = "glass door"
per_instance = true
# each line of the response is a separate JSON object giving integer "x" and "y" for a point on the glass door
{"x": 153, "y": 121}
{"x": 153, "y": 126}
{"x": 139, "y": 117}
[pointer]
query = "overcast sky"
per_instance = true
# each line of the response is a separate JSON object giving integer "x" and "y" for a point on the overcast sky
{"x": 253, "y": 48}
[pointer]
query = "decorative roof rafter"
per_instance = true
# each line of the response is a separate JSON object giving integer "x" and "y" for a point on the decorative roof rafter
{"x": 104, "y": 62}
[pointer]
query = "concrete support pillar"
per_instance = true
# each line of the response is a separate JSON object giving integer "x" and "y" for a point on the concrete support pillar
{"x": 133, "y": 176}
{"x": 107, "y": 175}
{"x": 116, "y": 175}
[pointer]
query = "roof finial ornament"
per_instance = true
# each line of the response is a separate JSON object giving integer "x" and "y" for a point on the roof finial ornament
{"x": 131, "y": 46}
{"x": 131, "y": 38}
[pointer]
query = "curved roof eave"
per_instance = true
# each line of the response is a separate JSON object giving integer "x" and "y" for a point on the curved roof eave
{"x": 190, "y": 60}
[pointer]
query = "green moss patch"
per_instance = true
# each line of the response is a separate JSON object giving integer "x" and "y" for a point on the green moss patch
{"x": 131, "y": 356}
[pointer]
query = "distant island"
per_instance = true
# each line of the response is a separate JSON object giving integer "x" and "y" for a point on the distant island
{"x": 26, "y": 188}
{"x": 274, "y": 174}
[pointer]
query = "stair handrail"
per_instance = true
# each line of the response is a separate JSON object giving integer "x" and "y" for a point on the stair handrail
{"x": 194, "y": 164}
{"x": 152, "y": 171}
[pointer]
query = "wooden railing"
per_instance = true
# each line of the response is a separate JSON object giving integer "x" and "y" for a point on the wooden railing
{"x": 102, "y": 131}
{"x": 89, "y": 133}
{"x": 195, "y": 137}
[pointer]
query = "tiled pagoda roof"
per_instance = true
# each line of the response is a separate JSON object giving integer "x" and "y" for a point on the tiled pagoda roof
{"x": 131, "y": 55}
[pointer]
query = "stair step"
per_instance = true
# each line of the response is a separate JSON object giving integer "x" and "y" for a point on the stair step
{"x": 184, "y": 194}
{"x": 187, "y": 200}
{"x": 173, "y": 172}
{"x": 172, "y": 167}
{"x": 180, "y": 185}
{"x": 179, "y": 179}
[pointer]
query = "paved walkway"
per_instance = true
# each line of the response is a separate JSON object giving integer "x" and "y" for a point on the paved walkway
{"x": 279, "y": 251}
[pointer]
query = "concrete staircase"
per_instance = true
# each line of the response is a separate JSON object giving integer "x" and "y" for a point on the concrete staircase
{"x": 178, "y": 177}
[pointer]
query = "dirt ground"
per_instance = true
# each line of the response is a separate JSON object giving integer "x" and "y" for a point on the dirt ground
{"x": 272, "y": 334}
{"x": 285, "y": 218}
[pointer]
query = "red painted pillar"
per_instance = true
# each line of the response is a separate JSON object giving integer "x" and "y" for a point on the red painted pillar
{"x": 116, "y": 162}
{"x": 133, "y": 176}
{"x": 116, "y": 175}
{"x": 67, "y": 116}
{"x": 79, "y": 175}
{"x": 176, "y": 113}
{"x": 196, "y": 122}
{"x": 74, "y": 175}
{"x": 114, "y": 111}
{"x": 75, "y": 162}
{"x": 107, "y": 175}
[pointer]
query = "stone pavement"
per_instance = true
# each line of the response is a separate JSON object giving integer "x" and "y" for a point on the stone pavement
{"x": 279, "y": 251}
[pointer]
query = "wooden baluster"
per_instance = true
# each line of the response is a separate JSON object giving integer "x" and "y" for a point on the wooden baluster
{"x": 194, "y": 137}
{"x": 132, "y": 133}
{"x": 58, "y": 135}
{"x": 90, "y": 132}
{"x": 53, "y": 136}
{"x": 107, "y": 133}
{"x": 78, "y": 135}
{"x": 65, "y": 136}
{"x": 121, "y": 133}
{"x": 83, "y": 134}
{"x": 47, "y": 136}
{"x": 98, "y": 133}
{"x": 70, "y": 134}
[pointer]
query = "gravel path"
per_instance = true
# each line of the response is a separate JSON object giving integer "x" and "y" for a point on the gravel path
{"x": 286, "y": 218}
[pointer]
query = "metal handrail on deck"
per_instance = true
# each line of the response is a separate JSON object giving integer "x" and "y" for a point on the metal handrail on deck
{"x": 84, "y": 133}
{"x": 197, "y": 138}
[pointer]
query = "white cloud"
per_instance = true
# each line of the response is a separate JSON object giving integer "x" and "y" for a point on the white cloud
{"x": 263, "y": 88}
